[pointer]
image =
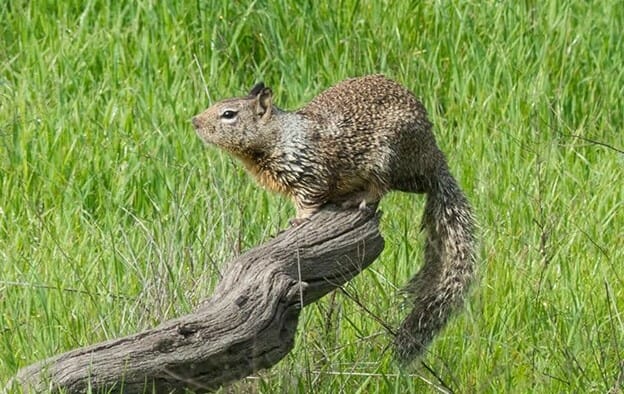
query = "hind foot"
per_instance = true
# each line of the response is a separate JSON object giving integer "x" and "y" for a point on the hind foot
{"x": 361, "y": 200}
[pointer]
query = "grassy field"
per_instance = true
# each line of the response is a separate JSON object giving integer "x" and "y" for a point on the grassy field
{"x": 114, "y": 217}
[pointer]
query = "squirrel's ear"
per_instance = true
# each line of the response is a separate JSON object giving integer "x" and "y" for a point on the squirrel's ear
{"x": 264, "y": 103}
{"x": 257, "y": 89}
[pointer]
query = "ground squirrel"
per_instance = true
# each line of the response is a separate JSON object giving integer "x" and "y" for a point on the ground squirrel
{"x": 350, "y": 145}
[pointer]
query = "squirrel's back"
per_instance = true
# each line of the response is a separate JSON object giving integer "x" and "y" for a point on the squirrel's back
{"x": 370, "y": 105}
{"x": 378, "y": 126}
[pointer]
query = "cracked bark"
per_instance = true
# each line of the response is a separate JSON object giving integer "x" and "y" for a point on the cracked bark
{"x": 247, "y": 325}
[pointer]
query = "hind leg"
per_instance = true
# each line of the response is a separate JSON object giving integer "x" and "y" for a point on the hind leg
{"x": 362, "y": 199}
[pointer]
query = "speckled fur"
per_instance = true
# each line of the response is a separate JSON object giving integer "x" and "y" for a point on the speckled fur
{"x": 351, "y": 145}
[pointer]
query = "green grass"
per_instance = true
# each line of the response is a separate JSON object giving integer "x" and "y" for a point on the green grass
{"x": 114, "y": 217}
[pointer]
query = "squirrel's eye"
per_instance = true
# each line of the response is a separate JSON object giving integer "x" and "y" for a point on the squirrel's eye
{"x": 228, "y": 114}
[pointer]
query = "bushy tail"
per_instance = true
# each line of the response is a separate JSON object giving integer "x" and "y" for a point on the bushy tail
{"x": 441, "y": 285}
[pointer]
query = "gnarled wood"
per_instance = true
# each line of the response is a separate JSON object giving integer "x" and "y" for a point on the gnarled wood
{"x": 247, "y": 325}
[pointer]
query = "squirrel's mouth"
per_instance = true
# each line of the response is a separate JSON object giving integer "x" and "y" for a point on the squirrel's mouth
{"x": 201, "y": 129}
{"x": 203, "y": 134}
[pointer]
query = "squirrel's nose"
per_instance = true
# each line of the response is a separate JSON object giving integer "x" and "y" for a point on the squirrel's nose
{"x": 196, "y": 122}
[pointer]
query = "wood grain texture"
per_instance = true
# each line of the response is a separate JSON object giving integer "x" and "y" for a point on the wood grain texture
{"x": 247, "y": 325}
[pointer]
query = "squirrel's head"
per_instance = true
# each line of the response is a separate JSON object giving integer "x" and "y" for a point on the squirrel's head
{"x": 238, "y": 125}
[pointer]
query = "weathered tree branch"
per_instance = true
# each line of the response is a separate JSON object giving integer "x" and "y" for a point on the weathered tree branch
{"x": 247, "y": 325}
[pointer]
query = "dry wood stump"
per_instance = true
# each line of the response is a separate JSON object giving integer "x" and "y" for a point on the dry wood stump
{"x": 247, "y": 325}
